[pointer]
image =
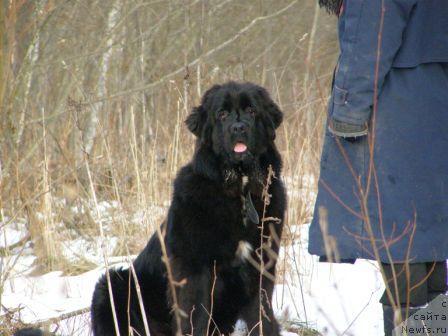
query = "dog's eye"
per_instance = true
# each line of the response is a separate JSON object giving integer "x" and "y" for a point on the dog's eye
{"x": 251, "y": 111}
{"x": 223, "y": 114}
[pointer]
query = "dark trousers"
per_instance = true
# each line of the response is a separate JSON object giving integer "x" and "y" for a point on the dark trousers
{"x": 418, "y": 285}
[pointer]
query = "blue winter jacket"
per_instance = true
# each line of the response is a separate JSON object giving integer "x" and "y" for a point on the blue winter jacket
{"x": 412, "y": 32}
{"x": 394, "y": 55}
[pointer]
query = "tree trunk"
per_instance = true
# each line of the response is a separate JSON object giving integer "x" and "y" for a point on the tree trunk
{"x": 89, "y": 133}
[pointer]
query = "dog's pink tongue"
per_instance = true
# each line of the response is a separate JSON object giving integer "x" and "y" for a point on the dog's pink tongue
{"x": 240, "y": 147}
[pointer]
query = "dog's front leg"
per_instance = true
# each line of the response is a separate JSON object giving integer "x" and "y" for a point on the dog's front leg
{"x": 194, "y": 298}
{"x": 260, "y": 318}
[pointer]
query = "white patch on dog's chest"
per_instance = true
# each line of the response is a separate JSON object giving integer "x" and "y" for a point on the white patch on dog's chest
{"x": 243, "y": 250}
{"x": 244, "y": 180}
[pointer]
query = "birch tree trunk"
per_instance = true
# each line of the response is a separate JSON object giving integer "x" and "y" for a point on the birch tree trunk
{"x": 32, "y": 57}
{"x": 89, "y": 134}
{"x": 3, "y": 59}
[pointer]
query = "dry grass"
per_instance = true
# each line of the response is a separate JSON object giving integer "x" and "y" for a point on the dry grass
{"x": 140, "y": 140}
{"x": 161, "y": 57}
{"x": 93, "y": 95}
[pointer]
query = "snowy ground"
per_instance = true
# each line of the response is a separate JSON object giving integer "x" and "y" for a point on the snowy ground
{"x": 334, "y": 299}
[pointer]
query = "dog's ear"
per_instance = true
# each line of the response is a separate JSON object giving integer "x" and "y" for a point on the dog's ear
{"x": 195, "y": 121}
{"x": 198, "y": 116}
{"x": 272, "y": 115}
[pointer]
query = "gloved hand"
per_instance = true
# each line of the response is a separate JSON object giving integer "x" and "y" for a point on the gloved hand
{"x": 346, "y": 130}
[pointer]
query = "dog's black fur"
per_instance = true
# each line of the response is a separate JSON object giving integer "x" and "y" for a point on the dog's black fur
{"x": 332, "y": 6}
{"x": 30, "y": 332}
{"x": 210, "y": 219}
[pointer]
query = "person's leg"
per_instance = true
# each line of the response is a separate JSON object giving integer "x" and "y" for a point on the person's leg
{"x": 437, "y": 280}
{"x": 409, "y": 291}
{"x": 412, "y": 291}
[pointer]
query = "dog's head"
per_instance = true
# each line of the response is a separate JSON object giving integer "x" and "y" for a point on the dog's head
{"x": 237, "y": 121}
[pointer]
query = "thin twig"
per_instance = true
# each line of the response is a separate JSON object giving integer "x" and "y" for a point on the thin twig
{"x": 212, "y": 297}
{"x": 46, "y": 322}
{"x": 140, "y": 298}
{"x": 103, "y": 248}
{"x": 200, "y": 58}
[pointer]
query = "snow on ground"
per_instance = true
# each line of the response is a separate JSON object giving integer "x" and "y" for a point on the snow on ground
{"x": 12, "y": 233}
{"x": 335, "y": 299}
{"x": 49, "y": 295}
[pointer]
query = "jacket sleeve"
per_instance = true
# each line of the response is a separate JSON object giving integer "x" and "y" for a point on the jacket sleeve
{"x": 359, "y": 33}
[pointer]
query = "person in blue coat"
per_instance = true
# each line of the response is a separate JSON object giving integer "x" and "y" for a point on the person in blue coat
{"x": 383, "y": 186}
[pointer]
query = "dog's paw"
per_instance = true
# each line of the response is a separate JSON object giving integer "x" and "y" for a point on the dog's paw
{"x": 240, "y": 328}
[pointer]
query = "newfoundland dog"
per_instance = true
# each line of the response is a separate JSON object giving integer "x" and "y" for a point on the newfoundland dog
{"x": 222, "y": 230}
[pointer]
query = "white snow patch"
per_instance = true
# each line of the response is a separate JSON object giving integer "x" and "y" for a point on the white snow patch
{"x": 335, "y": 299}
{"x": 11, "y": 232}
{"x": 90, "y": 250}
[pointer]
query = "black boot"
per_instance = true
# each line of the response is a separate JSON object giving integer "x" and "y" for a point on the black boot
{"x": 388, "y": 315}
{"x": 433, "y": 295}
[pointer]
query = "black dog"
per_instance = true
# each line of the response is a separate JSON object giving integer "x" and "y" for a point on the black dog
{"x": 213, "y": 230}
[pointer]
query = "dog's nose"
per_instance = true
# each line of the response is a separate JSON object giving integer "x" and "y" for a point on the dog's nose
{"x": 239, "y": 128}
